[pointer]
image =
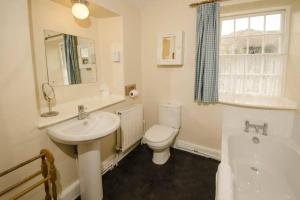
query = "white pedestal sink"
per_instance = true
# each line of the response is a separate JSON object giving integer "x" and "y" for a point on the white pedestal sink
{"x": 86, "y": 134}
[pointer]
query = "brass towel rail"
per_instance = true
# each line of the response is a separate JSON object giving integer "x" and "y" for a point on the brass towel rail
{"x": 48, "y": 172}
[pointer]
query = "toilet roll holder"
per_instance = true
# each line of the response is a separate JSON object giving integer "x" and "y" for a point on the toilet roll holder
{"x": 129, "y": 88}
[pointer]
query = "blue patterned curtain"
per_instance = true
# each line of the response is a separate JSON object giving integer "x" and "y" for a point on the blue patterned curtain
{"x": 207, "y": 53}
{"x": 72, "y": 62}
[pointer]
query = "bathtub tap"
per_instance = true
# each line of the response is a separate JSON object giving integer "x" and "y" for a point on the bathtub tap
{"x": 263, "y": 127}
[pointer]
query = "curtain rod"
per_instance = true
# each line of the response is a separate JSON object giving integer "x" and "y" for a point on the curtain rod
{"x": 205, "y": 2}
{"x": 52, "y": 36}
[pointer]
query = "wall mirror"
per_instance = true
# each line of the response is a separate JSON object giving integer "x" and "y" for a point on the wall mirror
{"x": 170, "y": 49}
{"x": 70, "y": 59}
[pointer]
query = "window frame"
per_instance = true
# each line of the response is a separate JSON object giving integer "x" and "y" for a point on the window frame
{"x": 285, "y": 33}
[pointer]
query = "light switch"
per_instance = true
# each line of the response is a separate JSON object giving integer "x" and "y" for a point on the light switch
{"x": 116, "y": 57}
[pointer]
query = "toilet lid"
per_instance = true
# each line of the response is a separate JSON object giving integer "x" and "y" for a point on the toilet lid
{"x": 159, "y": 133}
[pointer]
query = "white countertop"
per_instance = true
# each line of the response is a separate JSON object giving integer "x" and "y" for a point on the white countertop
{"x": 69, "y": 110}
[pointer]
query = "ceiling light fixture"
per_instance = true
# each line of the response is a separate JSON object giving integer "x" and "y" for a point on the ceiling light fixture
{"x": 80, "y": 9}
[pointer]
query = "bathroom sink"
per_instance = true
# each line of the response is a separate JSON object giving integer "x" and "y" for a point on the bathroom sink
{"x": 77, "y": 131}
{"x": 86, "y": 134}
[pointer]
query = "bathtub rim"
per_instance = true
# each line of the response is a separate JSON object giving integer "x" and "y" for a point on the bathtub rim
{"x": 223, "y": 194}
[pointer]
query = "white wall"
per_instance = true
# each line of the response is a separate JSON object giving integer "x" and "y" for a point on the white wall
{"x": 201, "y": 124}
{"x": 44, "y": 16}
{"x": 110, "y": 31}
{"x": 19, "y": 137}
{"x": 293, "y": 82}
{"x": 280, "y": 122}
{"x": 293, "y": 70}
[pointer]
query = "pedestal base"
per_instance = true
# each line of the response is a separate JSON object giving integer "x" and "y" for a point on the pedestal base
{"x": 90, "y": 171}
{"x": 161, "y": 157}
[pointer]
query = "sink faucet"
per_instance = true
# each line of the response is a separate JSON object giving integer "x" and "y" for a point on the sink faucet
{"x": 81, "y": 113}
{"x": 263, "y": 127}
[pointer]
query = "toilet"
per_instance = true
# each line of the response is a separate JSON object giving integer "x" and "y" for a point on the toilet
{"x": 161, "y": 136}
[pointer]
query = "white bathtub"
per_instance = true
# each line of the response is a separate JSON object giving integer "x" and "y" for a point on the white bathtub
{"x": 269, "y": 170}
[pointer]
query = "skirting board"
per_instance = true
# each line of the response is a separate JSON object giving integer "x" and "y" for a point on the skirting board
{"x": 197, "y": 149}
{"x": 73, "y": 190}
{"x": 108, "y": 163}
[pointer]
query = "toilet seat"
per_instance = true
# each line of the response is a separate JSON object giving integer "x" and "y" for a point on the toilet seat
{"x": 159, "y": 133}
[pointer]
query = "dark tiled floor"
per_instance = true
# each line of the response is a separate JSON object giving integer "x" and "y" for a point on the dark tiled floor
{"x": 184, "y": 177}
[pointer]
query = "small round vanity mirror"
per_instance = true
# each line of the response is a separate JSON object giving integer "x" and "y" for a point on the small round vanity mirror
{"x": 48, "y": 92}
{"x": 49, "y": 95}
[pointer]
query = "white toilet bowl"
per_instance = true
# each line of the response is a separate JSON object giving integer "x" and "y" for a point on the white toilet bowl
{"x": 159, "y": 138}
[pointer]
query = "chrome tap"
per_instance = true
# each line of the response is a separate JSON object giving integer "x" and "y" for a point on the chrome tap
{"x": 81, "y": 112}
{"x": 257, "y": 128}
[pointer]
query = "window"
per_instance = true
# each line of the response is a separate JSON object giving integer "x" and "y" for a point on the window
{"x": 253, "y": 54}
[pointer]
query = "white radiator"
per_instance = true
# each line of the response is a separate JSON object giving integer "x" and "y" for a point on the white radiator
{"x": 132, "y": 127}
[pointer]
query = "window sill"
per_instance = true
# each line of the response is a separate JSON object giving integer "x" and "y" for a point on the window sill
{"x": 276, "y": 103}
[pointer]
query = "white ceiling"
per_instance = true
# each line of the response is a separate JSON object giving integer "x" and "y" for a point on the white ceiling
{"x": 140, "y": 3}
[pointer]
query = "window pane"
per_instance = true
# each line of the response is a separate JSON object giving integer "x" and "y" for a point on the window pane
{"x": 252, "y": 85}
{"x": 255, "y": 45}
{"x": 241, "y": 26}
{"x": 225, "y": 67}
{"x": 225, "y": 85}
{"x": 254, "y": 64}
{"x": 227, "y": 46}
{"x": 240, "y": 46}
{"x": 239, "y": 85}
{"x": 273, "y": 64}
{"x": 272, "y": 44}
{"x": 257, "y": 25}
{"x": 273, "y": 23}
{"x": 222, "y": 84}
{"x": 238, "y": 64}
{"x": 271, "y": 86}
{"x": 228, "y": 27}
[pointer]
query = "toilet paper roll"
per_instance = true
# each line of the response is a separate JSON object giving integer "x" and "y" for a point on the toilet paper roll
{"x": 133, "y": 93}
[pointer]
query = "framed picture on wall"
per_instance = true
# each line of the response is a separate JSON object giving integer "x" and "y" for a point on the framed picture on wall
{"x": 170, "y": 48}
